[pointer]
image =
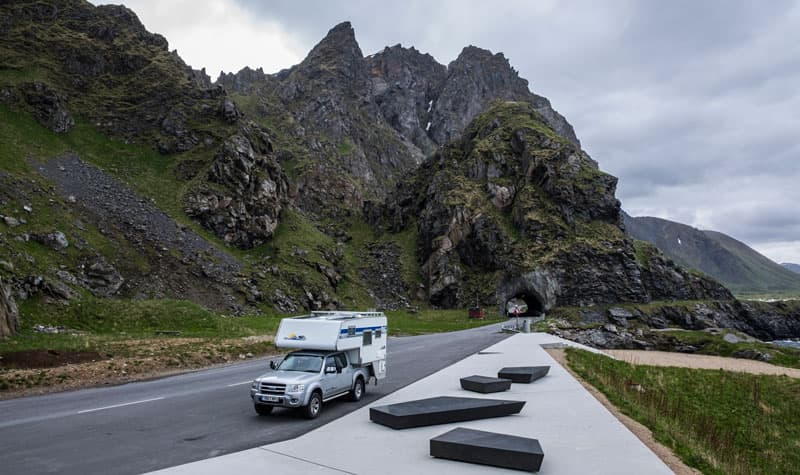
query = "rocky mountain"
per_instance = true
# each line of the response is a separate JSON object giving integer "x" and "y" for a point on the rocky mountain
{"x": 364, "y": 121}
{"x": 515, "y": 210}
{"x": 792, "y": 267}
{"x": 715, "y": 254}
{"x": 345, "y": 181}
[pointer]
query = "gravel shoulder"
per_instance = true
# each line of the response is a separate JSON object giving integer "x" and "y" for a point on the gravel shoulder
{"x": 682, "y": 360}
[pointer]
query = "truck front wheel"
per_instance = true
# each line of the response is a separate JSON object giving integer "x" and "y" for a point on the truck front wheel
{"x": 263, "y": 410}
{"x": 314, "y": 405}
{"x": 358, "y": 390}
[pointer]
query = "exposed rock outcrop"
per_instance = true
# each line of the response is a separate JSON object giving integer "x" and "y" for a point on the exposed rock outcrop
{"x": 48, "y": 107}
{"x": 9, "y": 315}
{"x": 102, "y": 64}
{"x": 246, "y": 213}
{"x": 432, "y": 105}
{"x": 101, "y": 278}
{"x": 405, "y": 84}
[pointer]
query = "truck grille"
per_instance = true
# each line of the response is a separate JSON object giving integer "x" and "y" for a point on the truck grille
{"x": 271, "y": 388}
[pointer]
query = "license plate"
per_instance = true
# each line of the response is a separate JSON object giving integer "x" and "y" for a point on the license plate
{"x": 269, "y": 398}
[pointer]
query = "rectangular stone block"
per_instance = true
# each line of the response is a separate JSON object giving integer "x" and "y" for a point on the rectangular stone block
{"x": 485, "y": 384}
{"x": 523, "y": 374}
{"x": 488, "y": 448}
{"x": 441, "y": 410}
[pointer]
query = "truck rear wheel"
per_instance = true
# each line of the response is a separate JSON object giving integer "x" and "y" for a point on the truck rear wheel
{"x": 314, "y": 406}
{"x": 358, "y": 390}
{"x": 263, "y": 410}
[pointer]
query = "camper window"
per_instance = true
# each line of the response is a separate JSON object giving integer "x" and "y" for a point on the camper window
{"x": 367, "y": 338}
{"x": 378, "y": 333}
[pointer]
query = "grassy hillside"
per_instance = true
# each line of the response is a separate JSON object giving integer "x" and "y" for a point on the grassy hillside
{"x": 733, "y": 263}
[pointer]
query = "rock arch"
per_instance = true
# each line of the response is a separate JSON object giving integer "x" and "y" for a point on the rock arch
{"x": 538, "y": 289}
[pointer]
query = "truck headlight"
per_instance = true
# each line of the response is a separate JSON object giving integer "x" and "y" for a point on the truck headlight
{"x": 296, "y": 388}
{"x": 254, "y": 385}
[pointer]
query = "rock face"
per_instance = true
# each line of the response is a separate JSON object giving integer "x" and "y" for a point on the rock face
{"x": 476, "y": 78}
{"x": 519, "y": 209}
{"x": 365, "y": 122}
{"x": 102, "y": 64}
{"x": 48, "y": 107}
{"x": 405, "y": 84}
{"x": 432, "y": 105}
{"x": 9, "y": 315}
{"x": 256, "y": 189}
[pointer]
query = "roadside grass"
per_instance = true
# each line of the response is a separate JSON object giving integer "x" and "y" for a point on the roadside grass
{"x": 123, "y": 337}
{"x": 718, "y": 421}
{"x": 404, "y": 322}
{"x": 94, "y": 323}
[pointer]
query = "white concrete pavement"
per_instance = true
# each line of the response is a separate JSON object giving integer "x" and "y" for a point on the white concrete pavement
{"x": 578, "y": 435}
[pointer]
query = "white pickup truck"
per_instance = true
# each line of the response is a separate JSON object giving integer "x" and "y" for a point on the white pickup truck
{"x": 338, "y": 353}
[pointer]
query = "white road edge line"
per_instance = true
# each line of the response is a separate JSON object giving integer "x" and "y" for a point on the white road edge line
{"x": 120, "y": 405}
{"x": 239, "y": 384}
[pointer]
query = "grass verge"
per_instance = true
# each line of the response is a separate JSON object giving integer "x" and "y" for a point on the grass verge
{"x": 110, "y": 341}
{"x": 717, "y": 421}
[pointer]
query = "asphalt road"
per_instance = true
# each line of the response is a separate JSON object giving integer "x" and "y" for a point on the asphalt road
{"x": 140, "y": 427}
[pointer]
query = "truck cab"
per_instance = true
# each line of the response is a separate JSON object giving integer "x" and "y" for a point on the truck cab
{"x": 306, "y": 379}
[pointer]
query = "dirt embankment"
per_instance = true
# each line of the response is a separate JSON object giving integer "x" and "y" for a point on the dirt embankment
{"x": 45, "y": 371}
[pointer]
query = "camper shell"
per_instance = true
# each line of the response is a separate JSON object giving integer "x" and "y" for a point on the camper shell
{"x": 337, "y": 353}
{"x": 362, "y": 335}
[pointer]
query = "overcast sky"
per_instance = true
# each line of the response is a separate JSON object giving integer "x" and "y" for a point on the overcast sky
{"x": 693, "y": 105}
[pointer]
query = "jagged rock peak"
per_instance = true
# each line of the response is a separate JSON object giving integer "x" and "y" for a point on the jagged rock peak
{"x": 340, "y": 42}
{"x": 241, "y": 81}
{"x": 472, "y": 55}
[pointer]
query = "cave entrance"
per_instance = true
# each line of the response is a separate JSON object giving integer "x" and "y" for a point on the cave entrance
{"x": 528, "y": 305}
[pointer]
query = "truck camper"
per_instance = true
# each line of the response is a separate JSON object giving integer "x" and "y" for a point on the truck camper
{"x": 336, "y": 354}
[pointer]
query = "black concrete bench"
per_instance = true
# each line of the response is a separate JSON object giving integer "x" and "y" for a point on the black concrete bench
{"x": 523, "y": 374}
{"x": 485, "y": 384}
{"x": 489, "y": 448}
{"x": 441, "y": 410}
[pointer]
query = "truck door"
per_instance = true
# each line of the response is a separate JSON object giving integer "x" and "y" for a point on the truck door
{"x": 329, "y": 380}
{"x": 344, "y": 375}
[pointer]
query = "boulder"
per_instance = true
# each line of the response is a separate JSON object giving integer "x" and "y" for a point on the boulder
{"x": 101, "y": 278}
{"x": 56, "y": 240}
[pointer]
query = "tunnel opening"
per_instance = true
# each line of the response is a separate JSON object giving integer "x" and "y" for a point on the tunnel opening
{"x": 526, "y": 304}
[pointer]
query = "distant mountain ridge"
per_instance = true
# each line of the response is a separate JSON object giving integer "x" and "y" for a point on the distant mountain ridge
{"x": 738, "y": 266}
{"x": 791, "y": 266}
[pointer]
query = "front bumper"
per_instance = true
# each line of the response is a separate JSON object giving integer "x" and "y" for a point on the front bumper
{"x": 285, "y": 400}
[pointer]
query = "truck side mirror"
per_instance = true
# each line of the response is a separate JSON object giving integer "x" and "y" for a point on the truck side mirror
{"x": 330, "y": 369}
{"x": 273, "y": 365}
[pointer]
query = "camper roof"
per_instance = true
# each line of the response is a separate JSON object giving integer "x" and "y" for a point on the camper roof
{"x": 340, "y": 315}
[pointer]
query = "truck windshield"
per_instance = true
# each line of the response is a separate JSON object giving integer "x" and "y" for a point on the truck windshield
{"x": 307, "y": 363}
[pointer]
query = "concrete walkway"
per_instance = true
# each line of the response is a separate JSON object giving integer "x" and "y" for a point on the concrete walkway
{"x": 578, "y": 435}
